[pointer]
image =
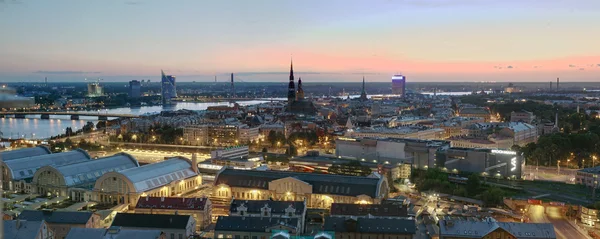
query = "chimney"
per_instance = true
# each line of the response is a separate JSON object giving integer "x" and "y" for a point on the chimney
{"x": 195, "y": 162}
{"x": 147, "y": 198}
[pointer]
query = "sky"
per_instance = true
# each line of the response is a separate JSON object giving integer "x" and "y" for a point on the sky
{"x": 333, "y": 40}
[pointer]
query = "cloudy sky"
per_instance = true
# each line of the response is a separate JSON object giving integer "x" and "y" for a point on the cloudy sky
{"x": 333, "y": 40}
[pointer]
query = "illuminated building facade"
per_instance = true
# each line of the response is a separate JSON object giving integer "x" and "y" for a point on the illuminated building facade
{"x": 319, "y": 190}
{"x": 487, "y": 162}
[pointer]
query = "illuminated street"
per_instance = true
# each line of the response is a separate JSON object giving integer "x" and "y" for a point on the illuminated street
{"x": 541, "y": 214}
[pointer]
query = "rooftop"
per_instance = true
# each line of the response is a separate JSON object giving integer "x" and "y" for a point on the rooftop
{"x": 321, "y": 183}
{"x": 255, "y": 206}
{"x": 159, "y": 174}
{"x": 58, "y": 217}
{"x": 172, "y": 203}
{"x": 371, "y": 225}
{"x": 25, "y": 167}
{"x": 380, "y": 210}
{"x": 479, "y": 229}
{"x": 253, "y": 224}
{"x": 21, "y": 229}
{"x": 112, "y": 233}
{"x": 24, "y": 153}
{"x": 151, "y": 220}
{"x": 89, "y": 171}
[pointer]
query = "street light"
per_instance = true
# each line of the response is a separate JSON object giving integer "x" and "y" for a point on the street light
{"x": 558, "y": 166}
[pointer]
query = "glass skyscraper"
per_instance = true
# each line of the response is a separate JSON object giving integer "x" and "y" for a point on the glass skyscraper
{"x": 168, "y": 89}
{"x": 399, "y": 85}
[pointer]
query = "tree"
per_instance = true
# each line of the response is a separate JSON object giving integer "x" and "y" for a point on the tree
{"x": 88, "y": 127}
{"x": 272, "y": 137}
{"x": 473, "y": 184}
{"x": 265, "y": 150}
{"x": 493, "y": 196}
{"x": 101, "y": 124}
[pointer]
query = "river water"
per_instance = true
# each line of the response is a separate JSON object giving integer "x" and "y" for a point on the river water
{"x": 32, "y": 127}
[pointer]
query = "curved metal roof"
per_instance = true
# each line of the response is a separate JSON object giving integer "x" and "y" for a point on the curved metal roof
{"x": 25, "y": 167}
{"x": 89, "y": 171}
{"x": 24, "y": 153}
{"x": 159, "y": 174}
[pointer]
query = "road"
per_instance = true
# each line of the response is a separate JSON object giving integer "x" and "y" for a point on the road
{"x": 563, "y": 229}
{"x": 549, "y": 173}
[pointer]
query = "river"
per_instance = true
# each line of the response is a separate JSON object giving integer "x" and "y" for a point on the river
{"x": 32, "y": 127}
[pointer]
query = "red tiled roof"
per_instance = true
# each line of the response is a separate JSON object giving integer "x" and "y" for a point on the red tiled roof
{"x": 172, "y": 203}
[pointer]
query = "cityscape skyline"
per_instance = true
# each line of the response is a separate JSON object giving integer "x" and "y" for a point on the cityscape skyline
{"x": 331, "y": 41}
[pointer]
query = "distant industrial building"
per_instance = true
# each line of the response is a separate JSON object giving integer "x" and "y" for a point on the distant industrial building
{"x": 399, "y": 85}
{"x": 10, "y": 100}
{"x": 486, "y": 162}
{"x": 95, "y": 89}
{"x": 168, "y": 88}
{"x": 418, "y": 153}
{"x": 135, "y": 89}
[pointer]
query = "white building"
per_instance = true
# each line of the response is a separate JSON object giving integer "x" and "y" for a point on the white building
{"x": 57, "y": 180}
{"x": 403, "y": 132}
{"x": 168, "y": 178}
{"x": 16, "y": 172}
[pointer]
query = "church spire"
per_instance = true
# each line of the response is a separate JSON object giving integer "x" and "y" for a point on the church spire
{"x": 363, "y": 93}
{"x": 291, "y": 70}
{"x": 291, "y": 87}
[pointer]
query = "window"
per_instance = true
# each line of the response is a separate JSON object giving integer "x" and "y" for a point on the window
{"x": 172, "y": 235}
{"x": 220, "y": 236}
{"x": 254, "y": 237}
{"x": 246, "y": 237}
{"x": 180, "y": 236}
{"x": 229, "y": 236}
{"x": 237, "y": 236}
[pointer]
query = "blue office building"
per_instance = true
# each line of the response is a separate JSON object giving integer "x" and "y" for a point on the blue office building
{"x": 168, "y": 89}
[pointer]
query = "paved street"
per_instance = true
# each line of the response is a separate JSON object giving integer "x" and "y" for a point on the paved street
{"x": 549, "y": 173}
{"x": 564, "y": 230}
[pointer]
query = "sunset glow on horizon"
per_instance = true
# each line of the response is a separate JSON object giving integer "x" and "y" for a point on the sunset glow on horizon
{"x": 428, "y": 40}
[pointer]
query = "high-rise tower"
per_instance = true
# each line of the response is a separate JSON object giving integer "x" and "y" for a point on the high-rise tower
{"x": 291, "y": 87}
{"x": 232, "y": 87}
{"x": 168, "y": 88}
{"x": 363, "y": 93}
{"x": 557, "y": 83}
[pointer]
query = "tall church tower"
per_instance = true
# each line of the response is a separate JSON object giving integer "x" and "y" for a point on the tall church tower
{"x": 300, "y": 94}
{"x": 363, "y": 93}
{"x": 291, "y": 87}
